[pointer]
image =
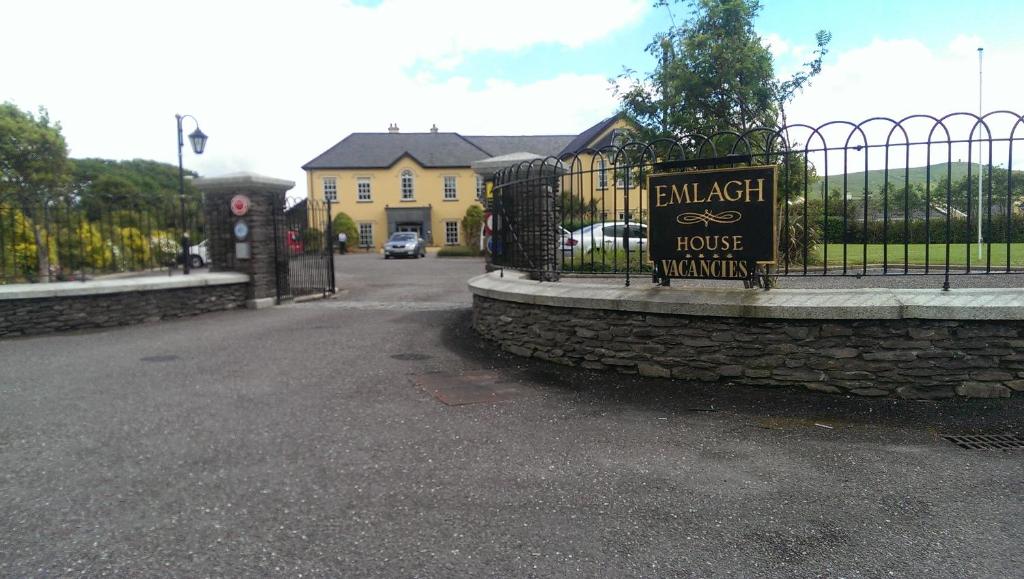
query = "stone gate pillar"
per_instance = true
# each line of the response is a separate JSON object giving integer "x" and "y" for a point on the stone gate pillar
{"x": 245, "y": 231}
{"x": 537, "y": 214}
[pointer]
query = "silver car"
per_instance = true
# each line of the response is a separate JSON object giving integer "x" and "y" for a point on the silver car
{"x": 610, "y": 236}
{"x": 405, "y": 244}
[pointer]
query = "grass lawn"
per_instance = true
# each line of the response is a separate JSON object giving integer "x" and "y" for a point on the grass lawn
{"x": 605, "y": 262}
{"x": 936, "y": 257}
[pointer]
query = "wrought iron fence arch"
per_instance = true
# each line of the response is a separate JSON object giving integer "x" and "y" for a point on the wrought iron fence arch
{"x": 808, "y": 155}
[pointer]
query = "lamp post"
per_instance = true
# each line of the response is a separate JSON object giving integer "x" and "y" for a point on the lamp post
{"x": 198, "y": 141}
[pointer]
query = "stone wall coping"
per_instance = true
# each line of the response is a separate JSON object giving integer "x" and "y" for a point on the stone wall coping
{"x": 795, "y": 304}
{"x": 112, "y": 286}
{"x": 244, "y": 180}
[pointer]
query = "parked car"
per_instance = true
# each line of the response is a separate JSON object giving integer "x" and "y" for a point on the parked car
{"x": 405, "y": 243}
{"x": 198, "y": 255}
{"x": 566, "y": 241}
{"x": 610, "y": 236}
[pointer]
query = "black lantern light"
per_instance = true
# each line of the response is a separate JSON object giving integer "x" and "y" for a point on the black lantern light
{"x": 198, "y": 140}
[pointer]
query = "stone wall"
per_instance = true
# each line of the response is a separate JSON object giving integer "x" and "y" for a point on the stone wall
{"x": 32, "y": 316}
{"x": 907, "y": 358}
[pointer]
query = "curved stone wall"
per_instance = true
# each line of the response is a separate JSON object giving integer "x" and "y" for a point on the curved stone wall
{"x": 919, "y": 344}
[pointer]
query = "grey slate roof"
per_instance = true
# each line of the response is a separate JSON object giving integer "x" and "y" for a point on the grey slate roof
{"x": 382, "y": 150}
{"x": 543, "y": 145}
{"x": 583, "y": 139}
{"x": 379, "y": 150}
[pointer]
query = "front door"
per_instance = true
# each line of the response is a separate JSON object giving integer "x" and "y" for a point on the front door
{"x": 413, "y": 227}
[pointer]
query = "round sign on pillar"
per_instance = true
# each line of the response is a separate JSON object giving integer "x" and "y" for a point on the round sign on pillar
{"x": 243, "y": 249}
{"x": 240, "y": 205}
{"x": 241, "y": 230}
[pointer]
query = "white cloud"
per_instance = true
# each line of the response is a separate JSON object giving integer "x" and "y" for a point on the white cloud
{"x": 899, "y": 78}
{"x": 776, "y": 44}
{"x": 896, "y": 78}
{"x": 276, "y": 83}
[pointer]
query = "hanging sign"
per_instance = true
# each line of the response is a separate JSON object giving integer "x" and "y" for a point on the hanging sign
{"x": 240, "y": 205}
{"x": 717, "y": 224}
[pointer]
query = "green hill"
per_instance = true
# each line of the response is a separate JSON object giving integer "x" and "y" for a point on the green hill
{"x": 918, "y": 175}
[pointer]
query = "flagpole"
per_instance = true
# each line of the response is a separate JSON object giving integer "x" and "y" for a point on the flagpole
{"x": 980, "y": 51}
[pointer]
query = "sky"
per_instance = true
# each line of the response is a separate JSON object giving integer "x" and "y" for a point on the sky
{"x": 276, "y": 83}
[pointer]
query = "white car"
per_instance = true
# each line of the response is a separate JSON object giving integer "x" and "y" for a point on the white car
{"x": 610, "y": 236}
{"x": 198, "y": 255}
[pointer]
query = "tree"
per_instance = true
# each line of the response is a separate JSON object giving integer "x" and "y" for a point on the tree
{"x": 138, "y": 185}
{"x": 343, "y": 223}
{"x": 714, "y": 74}
{"x": 33, "y": 168}
{"x": 472, "y": 223}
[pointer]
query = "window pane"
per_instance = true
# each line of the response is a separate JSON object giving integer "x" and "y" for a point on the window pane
{"x": 407, "y": 188}
{"x": 451, "y": 232}
{"x": 330, "y": 189}
{"x": 366, "y": 234}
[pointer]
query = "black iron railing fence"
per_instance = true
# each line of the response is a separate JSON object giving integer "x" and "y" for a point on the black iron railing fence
{"x": 63, "y": 238}
{"x": 308, "y": 246}
{"x": 920, "y": 195}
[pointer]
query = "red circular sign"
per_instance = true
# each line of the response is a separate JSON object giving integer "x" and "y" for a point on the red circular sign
{"x": 240, "y": 205}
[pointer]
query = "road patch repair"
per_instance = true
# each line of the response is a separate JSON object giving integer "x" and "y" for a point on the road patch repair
{"x": 471, "y": 387}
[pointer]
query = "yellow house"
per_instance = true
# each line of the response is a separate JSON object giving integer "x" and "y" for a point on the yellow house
{"x": 423, "y": 182}
{"x": 592, "y": 173}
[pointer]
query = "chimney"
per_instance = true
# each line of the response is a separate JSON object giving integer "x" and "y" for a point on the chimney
{"x": 433, "y": 129}
{"x": 393, "y": 128}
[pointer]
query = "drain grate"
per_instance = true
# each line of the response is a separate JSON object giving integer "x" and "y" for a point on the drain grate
{"x": 986, "y": 441}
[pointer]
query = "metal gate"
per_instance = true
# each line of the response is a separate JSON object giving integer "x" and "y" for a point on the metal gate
{"x": 306, "y": 247}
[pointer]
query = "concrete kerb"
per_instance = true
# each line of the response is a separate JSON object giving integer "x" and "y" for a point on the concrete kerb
{"x": 113, "y": 286}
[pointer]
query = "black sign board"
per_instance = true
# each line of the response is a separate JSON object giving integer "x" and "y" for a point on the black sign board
{"x": 715, "y": 224}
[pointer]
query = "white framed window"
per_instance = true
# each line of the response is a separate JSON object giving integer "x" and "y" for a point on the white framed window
{"x": 449, "y": 188}
{"x": 366, "y": 235}
{"x": 602, "y": 174}
{"x": 481, "y": 187}
{"x": 408, "y": 193}
{"x": 330, "y": 189}
{"x": 451, "y": 232}
{"x": 363, "y": 192}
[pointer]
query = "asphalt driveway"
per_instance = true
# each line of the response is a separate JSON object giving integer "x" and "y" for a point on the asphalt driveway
{"x": 313, "y": 440}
